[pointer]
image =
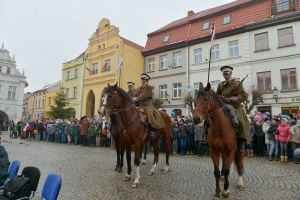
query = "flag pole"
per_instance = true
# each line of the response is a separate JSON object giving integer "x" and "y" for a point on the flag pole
{"x": 211, "y": 46}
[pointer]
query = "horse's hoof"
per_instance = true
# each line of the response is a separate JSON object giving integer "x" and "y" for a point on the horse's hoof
{"x": 222, "y": 179}
{"x": 217, "y": 197}
{"x": 165, "y": 171}
{"x": 119, "y": 169}
{"x": 225, "y": 194}
{"x": 143, "y": 162}
{"x": 241, "y": 187}
{"x": 151, "y": 173}
{"x": 135, "y": 185}
{"x": 127, "y": 178}
{"x": 116, "y": 169}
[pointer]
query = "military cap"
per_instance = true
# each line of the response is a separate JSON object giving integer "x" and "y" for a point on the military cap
{"x": 145, "y": 76}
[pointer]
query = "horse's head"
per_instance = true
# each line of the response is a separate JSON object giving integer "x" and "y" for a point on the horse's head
{"x": 110, "y": 99}
{"x": 205, "y": 102}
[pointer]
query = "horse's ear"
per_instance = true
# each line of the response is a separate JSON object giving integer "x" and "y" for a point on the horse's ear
{"x": 115, "y": 85}
{"x": 200, "y": 86}
{"x": 208, "y": 87}
{"x": 108, "y": 85}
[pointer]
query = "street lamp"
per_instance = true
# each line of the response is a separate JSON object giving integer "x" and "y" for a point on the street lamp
{"x": 275, "y": 94}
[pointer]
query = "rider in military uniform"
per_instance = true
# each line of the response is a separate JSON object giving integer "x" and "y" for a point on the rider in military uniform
{"x": 131, "y": 90}
{"x": 143, "y": 98}
{"x": 232, "y": 92}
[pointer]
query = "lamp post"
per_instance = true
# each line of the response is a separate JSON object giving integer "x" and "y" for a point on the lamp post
{"x": 275, "y": 94}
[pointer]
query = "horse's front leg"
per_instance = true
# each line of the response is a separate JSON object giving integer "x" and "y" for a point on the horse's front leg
{"x": 225, "y": 172}
{"x": 128, "y": 158}
{"x": 143, "y": 159}
{"x": 215, "y": 158}
{"x": 137, "y": 157}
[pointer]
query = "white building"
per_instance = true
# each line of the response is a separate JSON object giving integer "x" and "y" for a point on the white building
{"x": 12, "y": 84}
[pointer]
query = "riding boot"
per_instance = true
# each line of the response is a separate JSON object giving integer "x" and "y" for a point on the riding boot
{"x": 241, "y": 145}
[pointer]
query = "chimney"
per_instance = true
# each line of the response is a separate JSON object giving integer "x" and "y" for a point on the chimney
{"x": 190, "y": 13}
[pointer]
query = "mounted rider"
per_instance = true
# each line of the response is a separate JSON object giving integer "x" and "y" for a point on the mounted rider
{"x": 232, "y": 93}
{"x": 143, "y": 98}
{"x": 131, "y": 90}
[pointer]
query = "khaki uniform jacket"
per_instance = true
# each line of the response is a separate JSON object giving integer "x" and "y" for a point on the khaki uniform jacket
{"x": 144, "y": 96}
{"x": 234, "y": 88}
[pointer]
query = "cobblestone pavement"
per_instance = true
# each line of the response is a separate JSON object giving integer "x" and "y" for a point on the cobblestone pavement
{"x": 87, "y": 173}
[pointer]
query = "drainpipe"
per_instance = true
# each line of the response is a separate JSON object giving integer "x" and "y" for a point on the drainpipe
{"x": 187, "y": 73}
{"x": 82, "y": 83}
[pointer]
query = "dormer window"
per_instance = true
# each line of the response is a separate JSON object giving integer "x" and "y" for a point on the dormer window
{"x": 206, "y": 26}
{"x": 8, "y": 70}
{"x": 282, "y": 5}
{"x": 226, "y": 20}
{"x": 166, "y": 38}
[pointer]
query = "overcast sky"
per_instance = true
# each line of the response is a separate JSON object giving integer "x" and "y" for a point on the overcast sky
{"x": 43, "y": 34}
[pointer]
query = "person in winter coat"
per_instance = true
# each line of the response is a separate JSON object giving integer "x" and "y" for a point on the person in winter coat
{"x": 4, "y": 164}
{"x": 190, "y": 138}
{"x": 174, "y": 137}
{"x": 284, "y": 136}
{"x": 296, "y": 137}
{"x": 271, "y": 137}
{"x": 182, "y": 135}
{"x": 266, "y": 126}
{"x": 259, "y": 138}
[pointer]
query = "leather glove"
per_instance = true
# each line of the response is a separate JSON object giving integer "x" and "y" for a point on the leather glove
{"x": 225, "y": 100}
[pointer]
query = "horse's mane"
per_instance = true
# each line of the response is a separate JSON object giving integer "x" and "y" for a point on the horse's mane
{"x": 123, "y": 94}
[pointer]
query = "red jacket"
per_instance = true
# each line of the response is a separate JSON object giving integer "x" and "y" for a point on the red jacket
{"x": 284, "y": 132}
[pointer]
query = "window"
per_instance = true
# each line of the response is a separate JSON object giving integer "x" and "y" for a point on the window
{"x": 288, "y": 79}
{"x": 151, "y": 64}
{"x": 177, "y": 59}
{"x": 214, "y": 85}
{"x": 76, "y": 73}
{"x": 282, "y": 5}
{"x": 67, "y": 93}
{"x": 205, "y": 26}
{"x": 197, "y": 56}
{"x": 163, "y": 62}
{"x": 74, "y": 92}
{"x": 233, "y": 48}
{"x": 264, "y": 81}
{"x": 49, "y": 101}
{"x": 39, "y": 103}
{"x": 163, "y": 91}
{"x": 68, "y": 75}
{"x": 261, "y": 41}
{"x": 0, "y": 69}
{"x": 95, "y": 68}
{"x": 285, "y": 37}
{"x": 196, "y": 87}
{"x": 43, "y": 103}
{"x": 166, "y": 38}
{"x": 8, "y": 70}
{"x": 226, "y": 20}
{"x": 176, "y": 90}
{"x": 106, "y": 66}
{"x": 215, "y": 52}
{"x": 12, "y": 92}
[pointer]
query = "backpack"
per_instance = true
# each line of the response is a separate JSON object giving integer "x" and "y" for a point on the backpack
{"x": 17, "y": 187}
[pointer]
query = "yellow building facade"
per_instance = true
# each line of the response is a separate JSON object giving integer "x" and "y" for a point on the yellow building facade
{"x": 30, "y": 106}
{"x": 51, "y": 93}
{"x": 72, "y": 82}
{"x": 107, "y": 50}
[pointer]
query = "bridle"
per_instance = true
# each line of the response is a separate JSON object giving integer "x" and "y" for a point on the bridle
{"x": 207, "y": 114}
{"x": 113, "y": 111}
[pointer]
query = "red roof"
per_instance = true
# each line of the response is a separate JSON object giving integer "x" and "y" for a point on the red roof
{"x": 132, "y": 44}
{"x": 189, "y": 28}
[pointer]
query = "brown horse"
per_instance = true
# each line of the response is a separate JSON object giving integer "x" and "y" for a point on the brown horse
{"x": 222, "y": 137}
{"x": 117, "y": 134}
{"x": 117, "y": 101}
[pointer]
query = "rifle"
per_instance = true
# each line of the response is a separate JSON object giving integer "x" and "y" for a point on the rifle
{"x": 244, "y": 78}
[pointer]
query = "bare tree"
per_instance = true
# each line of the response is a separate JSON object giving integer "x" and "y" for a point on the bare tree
{"x": 189, "y": 100}
{"x": 249, "y": 103}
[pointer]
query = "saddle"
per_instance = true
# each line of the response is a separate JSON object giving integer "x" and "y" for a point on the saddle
{"x": 143, "y": 115}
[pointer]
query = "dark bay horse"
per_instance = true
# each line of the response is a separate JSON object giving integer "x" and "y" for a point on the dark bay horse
{"x": 222, "y": 137}
{"x": 135, "y": 133}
